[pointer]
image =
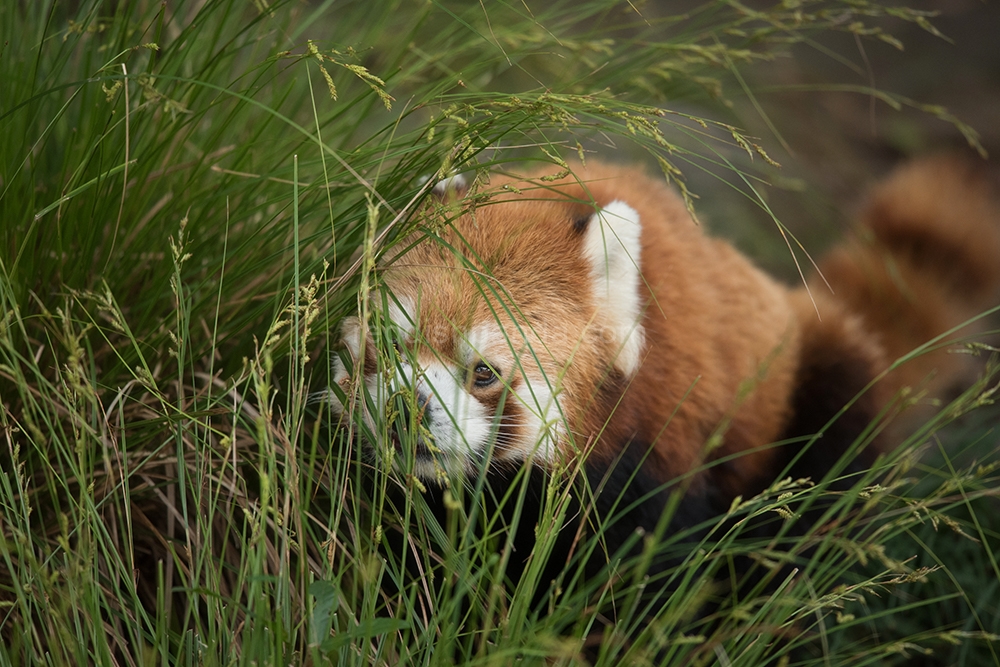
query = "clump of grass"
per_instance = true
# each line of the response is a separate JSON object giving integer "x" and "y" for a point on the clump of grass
{"x": 194, "y": 196}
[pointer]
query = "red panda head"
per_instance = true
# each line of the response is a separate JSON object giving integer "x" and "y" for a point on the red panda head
{"x": 505, "y": 324}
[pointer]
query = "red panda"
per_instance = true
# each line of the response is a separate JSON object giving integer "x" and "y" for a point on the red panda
{"x": 565, "y": 317}
{"x": 587, "y": 318}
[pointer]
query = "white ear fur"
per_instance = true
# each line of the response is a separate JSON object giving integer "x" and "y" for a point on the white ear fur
{"x": 612, "y": 247}
{"x": 454, "y": 183}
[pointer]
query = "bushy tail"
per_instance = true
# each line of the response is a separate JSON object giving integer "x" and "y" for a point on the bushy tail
{"x": 924, "y": 260}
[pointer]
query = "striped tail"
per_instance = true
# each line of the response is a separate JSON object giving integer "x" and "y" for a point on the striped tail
{"x": 924, "y": 260}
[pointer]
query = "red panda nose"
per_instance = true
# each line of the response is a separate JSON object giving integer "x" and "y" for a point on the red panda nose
{"x": 422, "y": 402}
{"x": 406, "y": 420}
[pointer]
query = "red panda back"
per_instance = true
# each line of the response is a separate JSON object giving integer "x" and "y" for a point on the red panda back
{"x": 730, "y": 353}
{"x": 721, "y": 339}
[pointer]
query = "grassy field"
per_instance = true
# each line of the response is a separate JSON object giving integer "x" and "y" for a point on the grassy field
{"x": 191, "y": 198}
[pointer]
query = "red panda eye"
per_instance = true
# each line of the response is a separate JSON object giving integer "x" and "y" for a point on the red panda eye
{"x": 483, "y": 375}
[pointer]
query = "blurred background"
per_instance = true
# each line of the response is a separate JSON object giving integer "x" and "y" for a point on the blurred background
{"x": 815, "y": 114}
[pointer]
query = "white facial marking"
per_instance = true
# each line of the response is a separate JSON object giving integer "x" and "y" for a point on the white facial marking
{"x": 539, "y": 417}
{"x": 460, "y": 425}
{"x": 612, "y": 248}
{"x": 543, "y": 420}
{"x": 482, "y": 342}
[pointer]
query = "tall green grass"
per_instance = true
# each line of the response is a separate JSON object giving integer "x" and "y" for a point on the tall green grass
{"x": 192, "y": 195}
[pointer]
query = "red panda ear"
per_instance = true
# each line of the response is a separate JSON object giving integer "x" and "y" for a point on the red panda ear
{"x": 350, "y": 336}
{"x": 612, "y": 247}
{"x": 453, "y": 187}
